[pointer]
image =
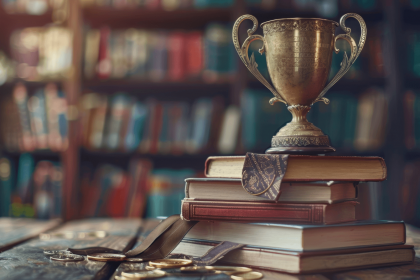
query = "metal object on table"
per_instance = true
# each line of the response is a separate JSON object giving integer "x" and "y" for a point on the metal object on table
{"x": 145, "y": 274}
{"x": 135, "y": 260}
{"x": 299, "y": 53}
{"x": 106, "y": 257}
{"x": 74, "y": 235}
{"x": 67, "y": 258}
{"x": 253, "y": 275}
{"x": 56, "y": 252}
{"x": 230, "y": 270}
{"x": 170, "y": 263}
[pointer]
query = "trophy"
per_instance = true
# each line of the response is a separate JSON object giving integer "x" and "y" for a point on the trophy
{"x": 299, "y": 53}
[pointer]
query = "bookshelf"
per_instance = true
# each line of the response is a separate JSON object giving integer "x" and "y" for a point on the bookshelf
{"x": 389, "y": 13}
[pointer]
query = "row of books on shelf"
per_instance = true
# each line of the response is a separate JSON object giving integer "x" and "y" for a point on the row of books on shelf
{"x": 34, "y": 120}
{"x": 139, "y": 191}
{"x": 159, "y": 55}
{"x": 326, "y": 8}
{"x": 123, "y": 123}
{"x": 42, "y": 53}
{"x": 34, "y": 189}
{"x": 30, "y": 189}
{"x": 166, "y": 5}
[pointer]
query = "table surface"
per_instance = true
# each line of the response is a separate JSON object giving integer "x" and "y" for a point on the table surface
{"x": 22, "y": 242}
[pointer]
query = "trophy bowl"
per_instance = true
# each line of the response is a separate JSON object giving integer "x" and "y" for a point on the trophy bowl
{"x": 299, "y": 53}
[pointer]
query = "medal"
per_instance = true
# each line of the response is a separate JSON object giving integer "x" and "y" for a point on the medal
{"x": 67, "y": 258}
{"x": 170, "y": 263}
{"x": 253, "y": 275}
{"x": 106, "y": 257}
{"x": 145, "y": 274}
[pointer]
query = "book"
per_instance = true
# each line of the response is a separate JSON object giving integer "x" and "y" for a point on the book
{"x": 38, "y": 117}
{"x": 252, "y": 212}
{"x": 304, "y": 262}
{"x": 313, "y": 192}
{"x": 308, "y": 168}
{"x": 303, "y": 237}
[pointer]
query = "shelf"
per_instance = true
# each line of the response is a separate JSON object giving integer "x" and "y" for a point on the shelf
{"x": 11, "y": 22}
{"x": 97, "y": 17}
{"x": 195, "y": 161}
{"x": 40, "y": 154}
{"x": 194, "y": 88}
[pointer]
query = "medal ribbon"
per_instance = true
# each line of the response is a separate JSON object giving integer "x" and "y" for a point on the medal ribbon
{"x": 162, "y": 241}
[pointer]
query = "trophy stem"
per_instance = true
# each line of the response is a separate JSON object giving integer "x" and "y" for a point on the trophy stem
{"x": 300, "y": 136}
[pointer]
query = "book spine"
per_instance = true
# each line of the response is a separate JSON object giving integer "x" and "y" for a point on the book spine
{"x": 253, "y": 212}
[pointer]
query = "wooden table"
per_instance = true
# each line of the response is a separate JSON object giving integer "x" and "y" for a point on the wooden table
{"x": 22, "y": 246}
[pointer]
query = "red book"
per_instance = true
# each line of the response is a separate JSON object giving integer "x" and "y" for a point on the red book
{"x": 177, "y": 56}
{"x": 104, "y": 66}
{"x": 253, "y": 212}
{"x": 195, "y": 53}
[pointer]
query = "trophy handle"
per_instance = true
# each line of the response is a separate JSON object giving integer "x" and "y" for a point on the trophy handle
{"x": 250, "y": 63}
{"x": 355, "y": 51}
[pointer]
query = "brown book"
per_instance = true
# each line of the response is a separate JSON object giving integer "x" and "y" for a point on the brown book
{"x": 299, "y": 192}
{"x": 308, "y": 168}
{"x": 304, "y": 262}
{"x": 303, "y": 237}
{"x": 255, "y": 212}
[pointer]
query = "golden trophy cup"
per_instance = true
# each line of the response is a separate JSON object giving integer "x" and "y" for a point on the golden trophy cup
{"x": 299, "y": 53}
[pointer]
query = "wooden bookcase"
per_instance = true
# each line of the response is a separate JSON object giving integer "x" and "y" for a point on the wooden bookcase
{"x": 389, "y": 12}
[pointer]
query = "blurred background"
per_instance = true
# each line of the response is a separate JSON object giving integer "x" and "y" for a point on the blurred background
{"x": 108, "y": 105}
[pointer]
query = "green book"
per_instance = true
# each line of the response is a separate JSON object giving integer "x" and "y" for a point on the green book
{"x": 6, "y": 185}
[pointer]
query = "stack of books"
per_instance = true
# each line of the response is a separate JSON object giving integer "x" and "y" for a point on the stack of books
{"x": 312, "y": 228}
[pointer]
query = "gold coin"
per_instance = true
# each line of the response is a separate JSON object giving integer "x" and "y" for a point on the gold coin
{"x": 135, "y": 260}
{"x": 253, "y": 275}
{"x": 148, "y": 267}
{"x": 145, "y": 274}
{"x": 121, "y": 278}
{"x": 170, "y": 263}
{"x": 106, "y": 257}
{"x": 234, "y": 269}
{"x": 198, "y": 269}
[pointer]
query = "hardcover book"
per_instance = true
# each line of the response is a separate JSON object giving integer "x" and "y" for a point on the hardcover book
{"x": 251, "y": 212}
{"x": 308, "y": 168}
{"x": 303, "y": 237}
{"x": 301, "y": 192}
{"x": 304, "y": 262}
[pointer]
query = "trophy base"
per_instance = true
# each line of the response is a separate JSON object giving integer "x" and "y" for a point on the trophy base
{"x": 300, "y": 136}
{"x": 300, "y": 150}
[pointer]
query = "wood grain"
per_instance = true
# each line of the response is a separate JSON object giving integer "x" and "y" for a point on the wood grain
{"x": 27, "y": 261}
{"x": 15, "y": 231}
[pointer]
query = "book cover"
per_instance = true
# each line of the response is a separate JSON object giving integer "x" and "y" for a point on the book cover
{"x": 196, "y": 210}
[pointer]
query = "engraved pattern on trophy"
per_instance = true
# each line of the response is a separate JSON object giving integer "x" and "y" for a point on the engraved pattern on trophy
{"x": 299, "y": 54}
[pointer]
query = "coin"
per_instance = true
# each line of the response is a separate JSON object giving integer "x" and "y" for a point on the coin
{"x": 133, "y": 260}
{"x": 170, "y": 263}
{"x": 230, "y": 270}
{"x": 56, "y": 252}
{"x": 67, "y": 258}
{"x": 106, "y": 257}
{"x": 145, "y": 274}
{"x": 198, "y": 269}
{"x": 148, "y": 267}
{"x": 253, "y": 275}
